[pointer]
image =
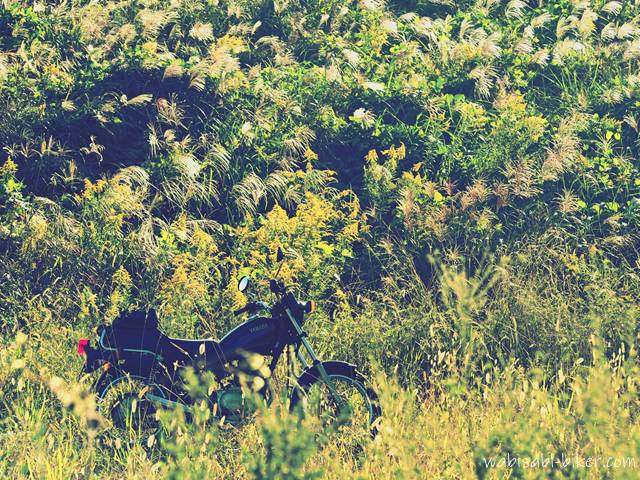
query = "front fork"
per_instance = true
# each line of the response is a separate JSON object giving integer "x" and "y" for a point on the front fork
{"x": 314, "y": 359}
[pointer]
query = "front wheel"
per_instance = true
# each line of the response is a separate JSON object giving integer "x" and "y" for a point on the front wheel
{"x": 355, "y": 412}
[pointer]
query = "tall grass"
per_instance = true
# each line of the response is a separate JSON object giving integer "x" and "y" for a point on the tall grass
{"x": 458, "y": 398}
{"x": 455, "y": 183}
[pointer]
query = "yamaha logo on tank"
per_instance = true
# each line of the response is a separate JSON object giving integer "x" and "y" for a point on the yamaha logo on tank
{"x": 262, "y": 326}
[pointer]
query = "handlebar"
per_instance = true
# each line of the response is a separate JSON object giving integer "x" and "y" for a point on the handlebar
{"x": 275, "y": 286}
{"x": 252, "y": 307}
{"x": 278, "y": 288}
{"x": 240, "y": 311}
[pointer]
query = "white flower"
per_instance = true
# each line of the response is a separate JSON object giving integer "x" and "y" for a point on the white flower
{"x": 363, "y": 117}
{"x": 375, "y": 86}
{"x": 389, "y": 26}
{"x": 352, "y": 57}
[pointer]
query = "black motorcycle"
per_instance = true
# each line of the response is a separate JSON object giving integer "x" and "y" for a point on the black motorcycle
{"x": 132, "y": 351}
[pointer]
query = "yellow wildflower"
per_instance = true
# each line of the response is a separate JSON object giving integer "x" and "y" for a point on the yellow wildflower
{"x": 9, "y": 167}
{"x": 150, "y": 47}
{"x": 121, "y": 277}
{"x": 232, "y": 43}
{"x": 116, "y": 218}
{"x": 203, "y": 240}
{"x": 350, "y": 232}
{"x": 88, "y": 189}
{"x": 396, "y": 153}
{"x": 372, "y": 156}
{"x": 179, "y": 227}
{"x": 310, "y": 154}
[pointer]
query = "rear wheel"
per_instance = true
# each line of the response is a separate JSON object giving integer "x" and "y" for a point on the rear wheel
{"x": 124, "y": 401}
{"x": 353, "y": 415}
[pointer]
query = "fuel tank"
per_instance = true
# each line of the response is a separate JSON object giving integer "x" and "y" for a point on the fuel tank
{"x": 257, "y": 335}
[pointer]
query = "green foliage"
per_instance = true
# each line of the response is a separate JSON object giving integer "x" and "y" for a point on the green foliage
{"x": 288, "y": 447}
{"x": 455, "y": 183}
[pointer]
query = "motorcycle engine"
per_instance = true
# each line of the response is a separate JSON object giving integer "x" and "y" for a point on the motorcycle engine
{"x": 232, "y": 404}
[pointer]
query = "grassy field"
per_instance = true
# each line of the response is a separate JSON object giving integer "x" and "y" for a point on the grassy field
{"x": 455, "y": 183}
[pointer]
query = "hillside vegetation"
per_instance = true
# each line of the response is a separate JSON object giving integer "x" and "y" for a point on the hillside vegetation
{"x": 454, "y": 182}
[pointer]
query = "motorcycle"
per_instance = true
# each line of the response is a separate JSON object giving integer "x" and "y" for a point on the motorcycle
{"x": 133, "y": 351}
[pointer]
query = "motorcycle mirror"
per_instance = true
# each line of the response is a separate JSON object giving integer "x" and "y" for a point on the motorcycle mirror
{"x": 280, "y": 255}
{"x": 243, "y": 283}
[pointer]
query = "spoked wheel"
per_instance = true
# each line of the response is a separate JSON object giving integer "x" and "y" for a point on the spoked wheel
{"x": 124, "y": 401}
{"x": 130, "y": 412}
{"x": 353, "y": 415}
